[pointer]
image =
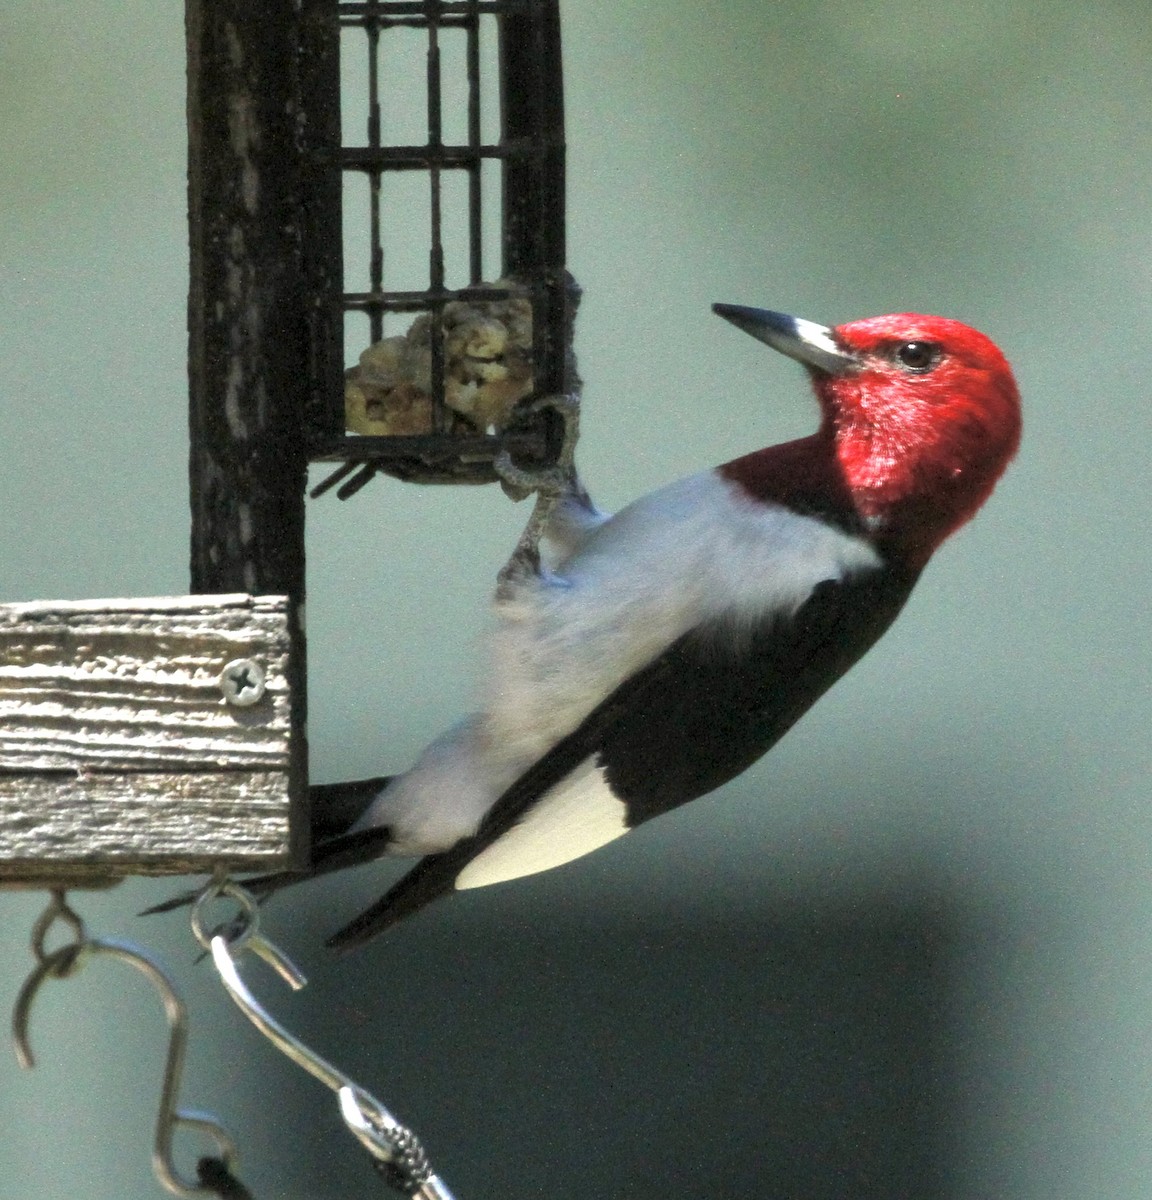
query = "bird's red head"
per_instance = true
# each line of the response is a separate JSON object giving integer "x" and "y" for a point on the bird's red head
{"x": 924, "y": 419}
{"x": 920, "y": 418}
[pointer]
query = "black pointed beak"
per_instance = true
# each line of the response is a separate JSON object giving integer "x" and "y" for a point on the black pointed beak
{"x": 809, "y": 343}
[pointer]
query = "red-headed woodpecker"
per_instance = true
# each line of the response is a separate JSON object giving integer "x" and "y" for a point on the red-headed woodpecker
{"x": 663, "y": 650}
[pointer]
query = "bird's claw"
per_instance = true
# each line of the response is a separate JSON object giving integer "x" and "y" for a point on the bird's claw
{"x": 549, "y": 484}
{"x": 523, "y": 565}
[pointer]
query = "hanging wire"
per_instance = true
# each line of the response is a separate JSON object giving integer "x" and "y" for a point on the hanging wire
{"x": 66, "y": 961}
{"x": 395, "y": 1148}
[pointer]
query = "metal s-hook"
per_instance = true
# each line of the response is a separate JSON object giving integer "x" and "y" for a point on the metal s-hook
{"x": 390, "y": 1143}
{"x": 68, "y": 959}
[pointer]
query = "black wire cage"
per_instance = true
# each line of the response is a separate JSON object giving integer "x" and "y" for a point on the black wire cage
{"x": 376, "y": 216}
{"x": 454, "y": 310}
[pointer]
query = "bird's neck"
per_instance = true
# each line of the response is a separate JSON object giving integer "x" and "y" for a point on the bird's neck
{"x": 868, "y": 484}
{"x": 804, "y": 476}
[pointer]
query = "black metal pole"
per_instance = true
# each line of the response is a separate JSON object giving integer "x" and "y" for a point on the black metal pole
{"x": 257, "y": 340}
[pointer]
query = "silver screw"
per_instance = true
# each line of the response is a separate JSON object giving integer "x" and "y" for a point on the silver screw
{"x": 242, "y": 682}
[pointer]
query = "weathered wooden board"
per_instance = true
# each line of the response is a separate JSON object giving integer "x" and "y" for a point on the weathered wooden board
{"x": 123, "y": 749}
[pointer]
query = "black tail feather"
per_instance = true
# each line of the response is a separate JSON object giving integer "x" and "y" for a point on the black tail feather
{"x": 433, "y": 877}
{"x": 335, "y": 808}
{"x": 333, "y": 855}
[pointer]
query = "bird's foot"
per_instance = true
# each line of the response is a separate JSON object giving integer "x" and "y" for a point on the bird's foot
{"x": 549, "y": 485}
{"x": 524, "y": 564}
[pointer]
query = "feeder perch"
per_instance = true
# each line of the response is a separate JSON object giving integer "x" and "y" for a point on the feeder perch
{"x": 143, "y": 737}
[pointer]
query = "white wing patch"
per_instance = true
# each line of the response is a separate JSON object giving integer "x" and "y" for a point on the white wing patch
{"x": 573, "y": 818}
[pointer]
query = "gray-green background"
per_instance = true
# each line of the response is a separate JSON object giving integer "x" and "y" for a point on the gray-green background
{"x": 908, "y": 955}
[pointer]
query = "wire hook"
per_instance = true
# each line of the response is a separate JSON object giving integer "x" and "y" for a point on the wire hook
{"x": 58, "y": 964}
{"x": 388, "y": 1141}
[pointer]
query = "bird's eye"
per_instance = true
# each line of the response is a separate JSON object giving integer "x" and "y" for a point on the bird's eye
{"x": 918, "y": 356}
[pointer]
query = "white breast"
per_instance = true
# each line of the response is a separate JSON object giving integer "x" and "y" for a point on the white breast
{"x": 699, "y": 550}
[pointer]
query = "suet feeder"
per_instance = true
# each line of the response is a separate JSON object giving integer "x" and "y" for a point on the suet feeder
{"x": 455, "y": 310}
{"x": 383, "y": 289}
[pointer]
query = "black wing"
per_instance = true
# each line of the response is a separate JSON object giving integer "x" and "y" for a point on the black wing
{"x": 694, "y": 718}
